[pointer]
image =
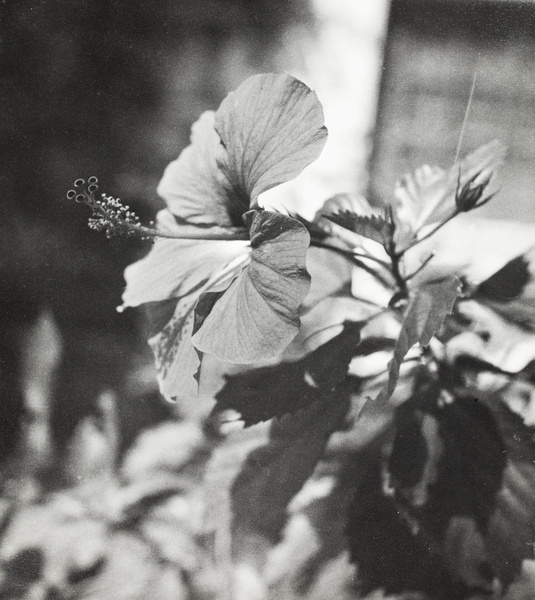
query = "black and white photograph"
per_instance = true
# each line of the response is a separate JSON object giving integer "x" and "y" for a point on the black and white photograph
{"x": 267, "y": 300}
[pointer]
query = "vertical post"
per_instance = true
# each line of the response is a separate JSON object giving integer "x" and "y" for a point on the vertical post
{"x": 339, "y": 53}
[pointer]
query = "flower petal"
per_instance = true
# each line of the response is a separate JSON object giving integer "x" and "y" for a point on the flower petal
{"x": 264, "y": 133}
{"x": 272, "y": 128}
{"x": 176, "y": 268}
{"x": 256, "y": 318}
{"x": 181, "y": 270}
{"x": 195, "y": 188}
{"x": 177, "y": 360}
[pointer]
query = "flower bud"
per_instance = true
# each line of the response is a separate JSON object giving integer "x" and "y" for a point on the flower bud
{"x": 469, "y": 195}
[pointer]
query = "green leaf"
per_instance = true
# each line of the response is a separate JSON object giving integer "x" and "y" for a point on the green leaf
{"x": 425, "y": 313}
{"x": 508, "y": 283}
{"x": 427, "y": 196}
{"x": 510, "y": 531}
{"x": 274, "y": 473}
{"x": 341, "y": 203}
{"x": 373, "y": 227}
{"x": 262, "y": 394}
{"x": 256, "y": 472}
{"x": 257, "y": 318}
{"x": 485, "y": 335}
{"x": 420, "y": 519}
{"x": 272, "y": 128}
{"x": 345, "y": 203}
{"x": 511, "y": 290}
{"x": 422, "y": 190}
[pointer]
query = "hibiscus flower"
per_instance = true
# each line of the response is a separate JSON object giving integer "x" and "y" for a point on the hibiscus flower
{"x": 231, "y": 281}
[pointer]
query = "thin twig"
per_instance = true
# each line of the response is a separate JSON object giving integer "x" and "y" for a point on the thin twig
{"x": 425, "y": 262}
{"x": 396, "y": 258}
{"x": 350, "y": 255}
{"x": 369, "y": 256}
{"x": 428, "y": 235}
{"x": 364, "y": 322}
{"x": 371, "y": 303}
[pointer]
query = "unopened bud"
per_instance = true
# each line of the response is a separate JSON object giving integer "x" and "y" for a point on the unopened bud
{"x": 467, "y": 198}
{"x": 484, "y": 177}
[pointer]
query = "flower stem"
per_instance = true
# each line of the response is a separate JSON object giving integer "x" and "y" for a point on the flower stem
{"x": 396, "y": 258}
{"x": 424, "y": 263}
{"x": 230, "y": 235}
{"x": 355, "y": 259}
{"x": 368, "y": 256}
{"x": 417, "y": 241}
